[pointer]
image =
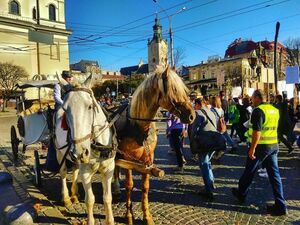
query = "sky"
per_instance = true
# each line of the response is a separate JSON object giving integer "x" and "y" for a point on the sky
{"x": 115, "y": 32}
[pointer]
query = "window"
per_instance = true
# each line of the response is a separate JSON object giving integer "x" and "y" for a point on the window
{"x": 34, "y": 13}
{"x": 14, "y": 8}
{"x": 54, "y": 51}
{"x": 52, "y": 12}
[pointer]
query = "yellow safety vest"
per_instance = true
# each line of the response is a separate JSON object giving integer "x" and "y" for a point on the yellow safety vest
{"x": 269, "y": 129}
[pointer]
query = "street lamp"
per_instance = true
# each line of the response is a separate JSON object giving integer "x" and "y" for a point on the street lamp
{"x": 170, "y": 29}
{"x": 252, "y": 60}
{"x": 258, "y": 56}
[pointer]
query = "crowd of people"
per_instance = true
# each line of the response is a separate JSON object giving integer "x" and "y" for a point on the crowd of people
{"x": 253, "y": 122}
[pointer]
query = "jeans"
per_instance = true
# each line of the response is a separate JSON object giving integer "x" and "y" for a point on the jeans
{"x": 206, "y": 170}
{"x": 234, "y": 127}
{"x": 228, "y": 139}
{"x": 266, "y": 154}
{"x": 176, "y": 140}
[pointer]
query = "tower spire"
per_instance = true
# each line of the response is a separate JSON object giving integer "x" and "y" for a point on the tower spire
{"x": 157, "y": 32}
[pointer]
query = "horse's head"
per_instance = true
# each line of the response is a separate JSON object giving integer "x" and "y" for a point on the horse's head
{"x": 173, "y": 96}
{"x": 84, "y": 118}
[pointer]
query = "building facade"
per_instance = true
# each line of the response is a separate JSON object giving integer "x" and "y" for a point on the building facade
{"x": 86, "y": 66}
{"x": 33, "y": 35}
{"x": 234, "y": 69}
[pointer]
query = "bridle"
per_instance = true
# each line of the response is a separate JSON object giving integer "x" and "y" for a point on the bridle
{"x": 90, "y": 135}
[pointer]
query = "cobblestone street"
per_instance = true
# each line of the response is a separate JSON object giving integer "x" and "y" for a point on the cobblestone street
{"x": 173, "y": 198}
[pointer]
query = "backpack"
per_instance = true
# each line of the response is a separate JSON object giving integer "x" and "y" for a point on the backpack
{"x": 204, "y": 141}
{"x": 221, "y": 124}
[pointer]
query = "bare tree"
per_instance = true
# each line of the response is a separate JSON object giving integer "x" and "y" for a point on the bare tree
{"x": 10, "y": 75}
{"x": 293, "y": 50}
{"x": 179, "y": 55}
{"x": 233, "y": 77}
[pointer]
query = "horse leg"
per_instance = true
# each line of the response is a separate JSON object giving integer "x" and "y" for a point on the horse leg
{"x": 145, "y": 205}
{"x": 86, "y": 174}
{"x": 129, "y": 187}
{"x": 65, "y": 192}
{"x": 74, "y": 188}
{"x": 116, "y": 183}
{"x": 107, "y": 196}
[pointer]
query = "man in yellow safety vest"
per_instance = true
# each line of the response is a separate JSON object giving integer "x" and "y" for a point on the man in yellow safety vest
{"x": 262, "y": 136}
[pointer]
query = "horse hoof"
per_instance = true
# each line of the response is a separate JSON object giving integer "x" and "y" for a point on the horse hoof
{"x": 148, "y": 221}
{"x": 74, "y": 199}
{"x": 67, "y": 202}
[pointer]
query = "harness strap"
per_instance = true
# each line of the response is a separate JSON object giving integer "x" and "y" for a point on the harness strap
{"x": 150, "y": 120}
{"x": 79, "y": 140}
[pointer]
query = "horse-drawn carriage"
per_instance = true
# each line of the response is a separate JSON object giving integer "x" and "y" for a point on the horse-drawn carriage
{"x": 33, "y": 116}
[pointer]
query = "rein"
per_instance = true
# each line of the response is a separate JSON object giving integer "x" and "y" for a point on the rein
{"x": 174, "y": 108}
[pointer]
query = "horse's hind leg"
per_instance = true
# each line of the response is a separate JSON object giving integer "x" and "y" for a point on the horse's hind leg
{"x": 74, "y": 189}
{"x": 116, "y": 183}
{"x": 145, "y": 205}
{"x": 86, "y": 174}
{"x": 64, "y": 191}
{"x": 129, "y": 187}
{"x": 107, "y": 196}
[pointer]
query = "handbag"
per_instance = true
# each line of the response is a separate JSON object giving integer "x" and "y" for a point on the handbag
{"x": 207, "y": 141}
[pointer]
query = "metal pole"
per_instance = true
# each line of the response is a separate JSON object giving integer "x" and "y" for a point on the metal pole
{"x": 37, "y": 43}
{"x": 268, "y": 89}
{"x": 171, "y": 43}
{"x": 117, "y": 89}
{"x": 275, "y": 55}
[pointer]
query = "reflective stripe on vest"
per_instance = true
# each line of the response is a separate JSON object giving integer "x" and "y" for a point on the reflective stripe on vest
{"x": 269, "y": 129}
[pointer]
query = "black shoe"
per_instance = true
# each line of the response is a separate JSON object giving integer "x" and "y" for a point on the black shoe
{"x": 290, "y": 150}
{"x": 275, "y": 211}
{"x": 208, "y": 195}
{"x": 237, "y": 194}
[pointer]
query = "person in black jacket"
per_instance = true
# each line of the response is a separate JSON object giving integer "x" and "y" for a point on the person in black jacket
{"x": 285, "y": 124}
{"x": 244, "y": 117}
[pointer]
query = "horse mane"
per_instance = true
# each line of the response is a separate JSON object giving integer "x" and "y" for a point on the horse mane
{"x": 148, "y": 92}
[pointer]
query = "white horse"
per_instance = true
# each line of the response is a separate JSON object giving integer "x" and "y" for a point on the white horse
{"x": 88, "y": 124}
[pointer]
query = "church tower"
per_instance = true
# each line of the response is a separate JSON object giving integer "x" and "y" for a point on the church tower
{"x": 157, "y": 48}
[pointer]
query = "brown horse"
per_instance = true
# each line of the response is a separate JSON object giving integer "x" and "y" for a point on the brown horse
{"x": 162, "y": 89}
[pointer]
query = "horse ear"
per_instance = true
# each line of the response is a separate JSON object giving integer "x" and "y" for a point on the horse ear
{"x": 87, "y": 83}
{"x": 164, "y": 76}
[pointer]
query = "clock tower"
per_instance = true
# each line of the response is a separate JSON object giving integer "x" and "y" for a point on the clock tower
{"x": 157, "y": 48}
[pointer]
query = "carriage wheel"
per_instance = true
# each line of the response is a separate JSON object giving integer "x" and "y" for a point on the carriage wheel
{"x": 37, "y": 169}
{"x": 14, "y": 142}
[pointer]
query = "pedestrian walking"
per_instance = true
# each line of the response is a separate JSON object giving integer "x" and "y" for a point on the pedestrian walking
{"x": 205, "y": 140}
{"x": 176, "y": 132}
{"x": 262, "y": 135}
{"x": 284, "y": 124}
{"x": 245, "y": 112}
{"x": 233, "y": 115}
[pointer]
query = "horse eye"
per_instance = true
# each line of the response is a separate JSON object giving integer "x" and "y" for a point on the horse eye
{"x": 90, "y": 107}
